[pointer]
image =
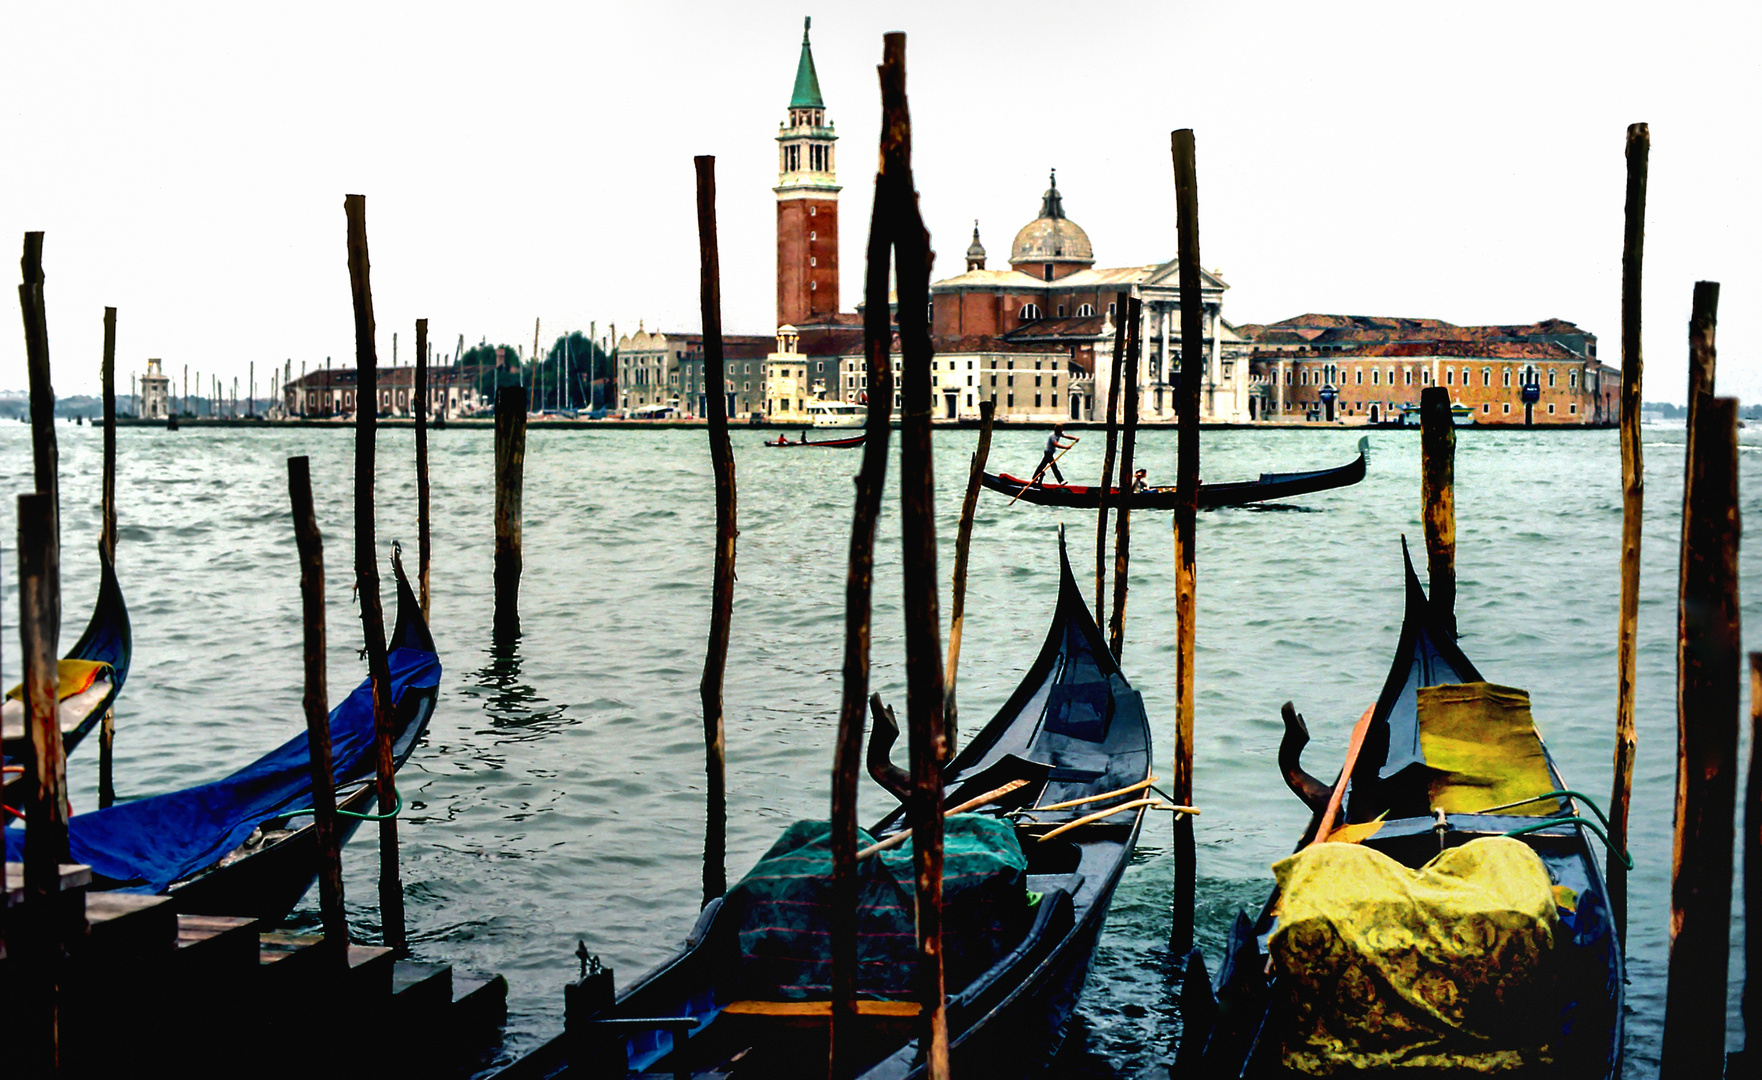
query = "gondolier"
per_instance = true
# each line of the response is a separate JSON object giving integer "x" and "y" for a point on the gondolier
{"x": 1056, "y": 444}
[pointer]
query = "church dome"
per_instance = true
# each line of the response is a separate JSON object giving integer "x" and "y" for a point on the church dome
{"x": 1051, "y": 237}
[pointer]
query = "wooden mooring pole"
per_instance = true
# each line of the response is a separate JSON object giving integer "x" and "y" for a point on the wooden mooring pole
{"x": 859, "y": 587}
{"x": 45, "y": 457}
{"x": 962, "y": 543}
{"x": 39, "y": 624}
{"x": 923, "y": 629}
{"x": 1186, "y": 527}
{"x": 107, "y": 730}
{"x": 1633, "y": 501}
{"x": 391, "y": 889}
{"x": 1753, "y": 869}
{"x": 1707, "y": 741}
{"x": 1121, "y": 303}
{"x": 317, "y": 704}
{"x": 1122, "y": 543}
{"x": 423, "y": 548}
{"x": 510, "y": 481}
{"x": 727, "y": 529}
{"x": 1437, "y": 499}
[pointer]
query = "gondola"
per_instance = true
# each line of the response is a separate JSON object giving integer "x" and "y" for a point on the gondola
{"x": 1453, "y": 796}
{"x": 782, "y": 441}
{"x": 247, "y": 844}
{"x": 1074, "y": 729}
{"x": 100, "y": 664}
{"x": 1269, "y": 488}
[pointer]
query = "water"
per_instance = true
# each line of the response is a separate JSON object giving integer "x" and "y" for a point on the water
{"x": 559, "y": 793}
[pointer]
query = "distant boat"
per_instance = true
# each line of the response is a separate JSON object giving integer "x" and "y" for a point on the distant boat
{"x": 837, "y": 413}
{"x": 1460, "y": 415}
{"x": 826, "y": 444}
{"x": 1269, "y": 487}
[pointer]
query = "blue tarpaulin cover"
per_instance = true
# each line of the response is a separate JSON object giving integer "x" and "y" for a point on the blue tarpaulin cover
{"x": 165, "y": 838}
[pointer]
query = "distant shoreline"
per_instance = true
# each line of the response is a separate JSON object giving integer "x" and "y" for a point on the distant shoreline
{"x": 547, "y": 424}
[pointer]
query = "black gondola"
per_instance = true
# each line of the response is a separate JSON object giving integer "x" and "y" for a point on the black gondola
{"x": 846, "y": 443}
{"x": 1383, "y": 795}
{"x": 247, "y": 844}
{"x": 1076, "y": 730}
{"x": 107, "y": 643}
{"x": 1269, "y": 488}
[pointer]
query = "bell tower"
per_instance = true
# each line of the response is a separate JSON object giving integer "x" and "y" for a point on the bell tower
{"x": 807, "y": 202}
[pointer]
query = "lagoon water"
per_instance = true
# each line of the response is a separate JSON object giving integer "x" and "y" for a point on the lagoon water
{"x": 558, "y": 795}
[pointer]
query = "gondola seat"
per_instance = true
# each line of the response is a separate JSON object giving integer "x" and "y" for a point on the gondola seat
{"x": 82, "y": 685}
{"x": 1482, "y": 750}
{"x": 1446, "y": 968}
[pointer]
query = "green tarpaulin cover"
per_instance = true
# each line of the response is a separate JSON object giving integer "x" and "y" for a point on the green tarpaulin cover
{"x": 783, "y": 910}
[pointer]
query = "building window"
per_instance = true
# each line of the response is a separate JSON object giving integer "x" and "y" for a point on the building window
{"x": 1407, "y": 377}
{"x": 1573, "y": 408}
{"x": 1486, "y": 376}
{"x": 1506, "y": 376}
{"x": 1551, "y": 373}
{"x": 1572, "y": 380}
{"x": 813, "y": 211}
{"x": 1450, "y": 376}
{"x": 813, "y": 260}
{"x": 1110, "y": 309}
{"x": 1084, "y": 311}
{"x": 1550, "y": 408}
{"x": 1061, "y": 311}
{"x": 1036, "y": 378}
{"x": 1055, "y": 401}
{"x": 812, "y": 235}
{"x": 1506, "y": 408}
{"x": 1048, "y": 271}
{"x": 1036, "y": 401}
{"x": 1359, "y": 372}
{"x": 1373, "y": 376}
{"x": 1011, "y": 401}
{"x": 1486, "y": 406}
{"x": 1030, "y": 312}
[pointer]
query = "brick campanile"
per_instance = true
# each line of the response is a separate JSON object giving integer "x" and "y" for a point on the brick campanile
{"x": 807, "y": 203}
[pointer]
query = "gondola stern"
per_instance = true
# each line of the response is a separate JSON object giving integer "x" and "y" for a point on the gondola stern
{"x": 108, "y": 637}
{"x": 410, "y": 631}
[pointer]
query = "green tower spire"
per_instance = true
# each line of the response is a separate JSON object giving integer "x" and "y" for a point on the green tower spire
{"x": 807, "y": 81}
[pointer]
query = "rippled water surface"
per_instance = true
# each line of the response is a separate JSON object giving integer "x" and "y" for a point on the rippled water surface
{"x": 559, "y": 793}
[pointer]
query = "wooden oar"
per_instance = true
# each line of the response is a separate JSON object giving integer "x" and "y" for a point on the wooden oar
{"x": 1359, "y": 731}
{"x": 1090, "y": 819}
{"x": 1042, "y": 471}
{"x": 903, "y": 835}
{"x": 1066, "y": 805}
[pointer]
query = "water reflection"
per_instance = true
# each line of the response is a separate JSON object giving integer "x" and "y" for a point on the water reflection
{"x": 516, "y": 711}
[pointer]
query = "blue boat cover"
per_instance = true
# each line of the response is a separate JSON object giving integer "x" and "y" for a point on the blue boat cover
{"x": 155, "y": 841}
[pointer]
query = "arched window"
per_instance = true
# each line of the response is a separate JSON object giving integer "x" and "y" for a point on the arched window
{"x": 1486, "y": 376}
{"x": 1572, "y": 380}
{"x": 1373, "y": 376}
{"x": 1030, "y": 312}
{"x": 1450, "y": 376}
{"x": 1551, "y": 373}
{"x": 1507, "y": 376}
{"x": 1084, "y": 311}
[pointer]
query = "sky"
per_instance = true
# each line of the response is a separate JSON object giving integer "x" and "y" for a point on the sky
{"x": 534, "y": 161}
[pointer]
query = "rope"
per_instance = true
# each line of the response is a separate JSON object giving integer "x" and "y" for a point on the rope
{"x": 397, "y": 808}
{"x": 1627, "y": 860}
{"x": 1579, "y": 795}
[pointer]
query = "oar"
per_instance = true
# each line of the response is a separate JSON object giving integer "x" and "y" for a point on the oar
{"x": 1042, "y": 471}
{"x": 901, "y": 837}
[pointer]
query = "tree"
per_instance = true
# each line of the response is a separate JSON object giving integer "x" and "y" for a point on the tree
{"x": 583, "y": 361}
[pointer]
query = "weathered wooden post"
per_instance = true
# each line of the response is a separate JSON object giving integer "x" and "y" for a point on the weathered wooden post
{"x": 422, "y": 534}
{"x": 1107, "y": 457}
{"x": 858, "y": 595}
{"x": 39, "y": 623}
{"x": 722, "y": 590}
{"x": 963, "y": 541}
{"x": 510, "y": 480}
{"x": 45, "y": 456}
{"x": 1706, "y": 760}
{"x": 1633, "y": 500}
{"x": 107, "y": 732}
{"x": 923, "y": 631}
{"x": 317, "y": 706}
{"x": 1186, "y": 527}
{"x": 1753, "y": 858}
{"x": 1122, "y": 542}
{"x": 391, "y": 890}
{"x": 1437, "y": 499}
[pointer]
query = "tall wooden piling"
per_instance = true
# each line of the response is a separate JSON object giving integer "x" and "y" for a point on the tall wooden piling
{"x": 1186, "y": 527}
{"x": 1122, "y": 544}
{"x": 1753, "y": 863}
{"x": 1707, "y": 741}
{"x": 510, "y": 482}
{"x": 722, "y": 591}
{"x": 391, "y": 890}
{"x": 858, "y": 596}
{"x": 962, "y": 542}
{"x": 1437, "y": 499}
{"x": 39, "y": 622}
{"x": 1633, "y": 501}
{"x": 45, "y": 457}
{"x": 1107, "y": 456}
{"x": 423, "y": 549}
{"x": 923, "y": 633}
{"x": 316, "y": 702}
{"x": 107, "y": 538}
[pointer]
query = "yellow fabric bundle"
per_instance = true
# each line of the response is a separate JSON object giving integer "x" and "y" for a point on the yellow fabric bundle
{"x": 1482, "y": 750}
{"x": 75, "y": 676}
{"x": 1441, "y": 968}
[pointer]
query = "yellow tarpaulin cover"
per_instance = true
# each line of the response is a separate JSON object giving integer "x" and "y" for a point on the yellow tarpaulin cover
{"x": 1482, "y": 749}
{"x": 1441, "y": 968}
{"x": 76, "y": 677}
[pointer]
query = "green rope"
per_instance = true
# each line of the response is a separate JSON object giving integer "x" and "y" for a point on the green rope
{"x": 1579, "y": 795}
{"x": 397, "y": 808}
{"x": 1627, "y": 860}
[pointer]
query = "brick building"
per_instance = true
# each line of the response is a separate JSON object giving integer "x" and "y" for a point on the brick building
{"x": 331, "y": 392}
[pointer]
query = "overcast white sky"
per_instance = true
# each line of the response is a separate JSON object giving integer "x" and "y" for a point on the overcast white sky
{"x": 1464, "y": 162}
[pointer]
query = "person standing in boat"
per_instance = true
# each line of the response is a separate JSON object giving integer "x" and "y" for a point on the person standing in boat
{"x": 1140, "y": 481}
{"x": 1056, "y": 444}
